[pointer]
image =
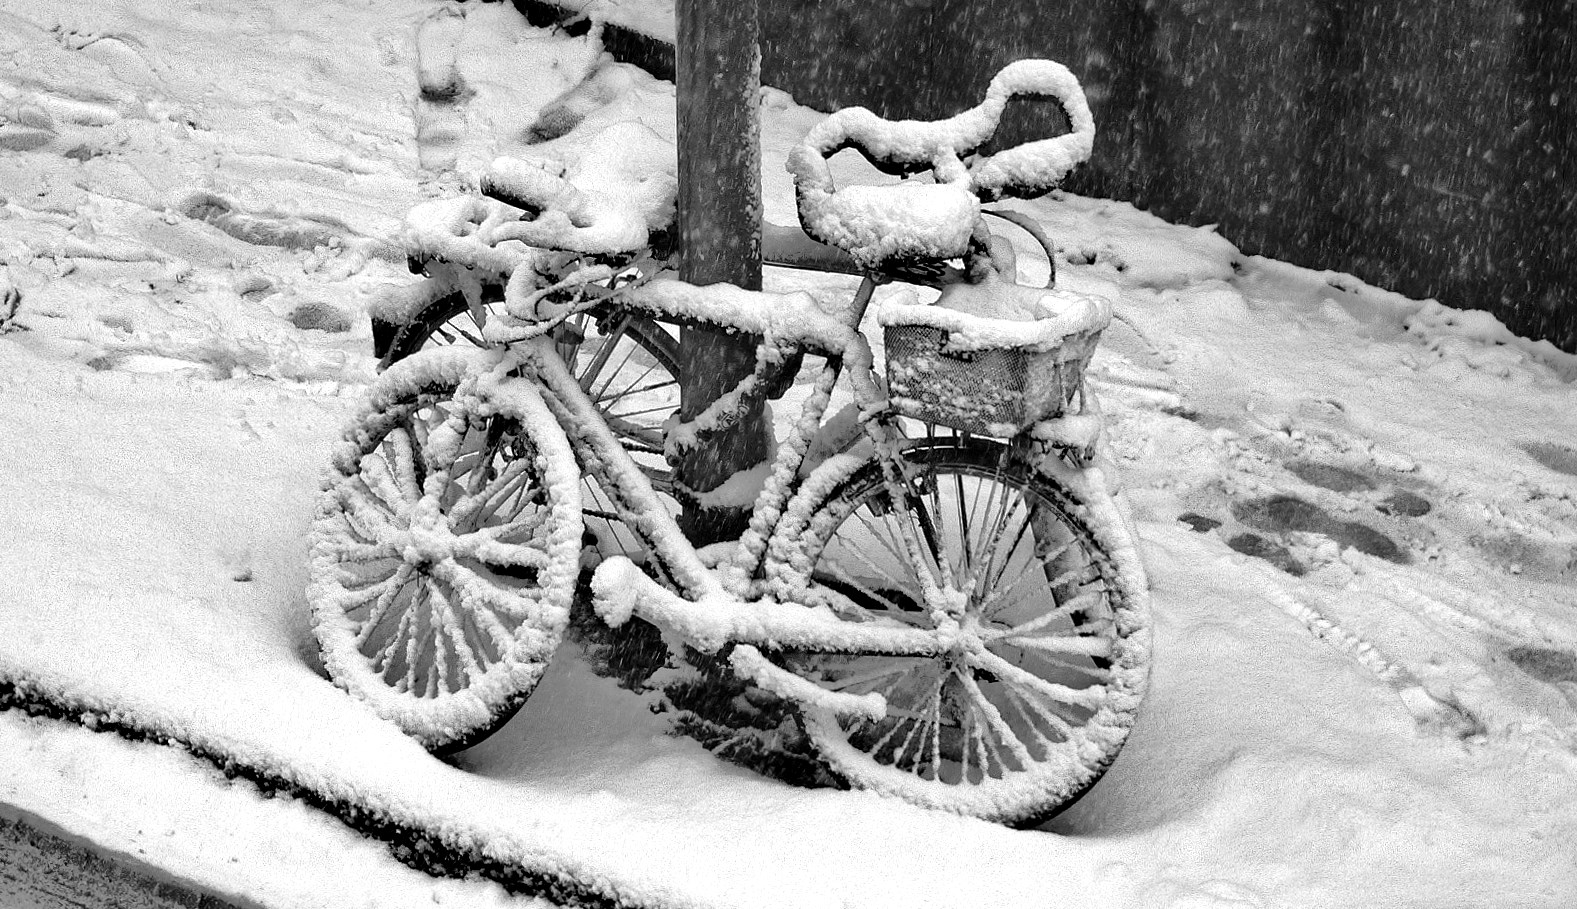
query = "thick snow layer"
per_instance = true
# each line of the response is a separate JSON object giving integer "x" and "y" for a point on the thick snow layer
{"x": 1357, "y": 512}
{"x": 979, "y": 317}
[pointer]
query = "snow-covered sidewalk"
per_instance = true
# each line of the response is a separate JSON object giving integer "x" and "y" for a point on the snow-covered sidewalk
{"x": 1359, "y": 513}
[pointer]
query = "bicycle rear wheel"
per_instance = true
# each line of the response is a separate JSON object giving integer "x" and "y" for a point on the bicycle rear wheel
{"x": 446, "y": 549}
{"x": 1028, "y": 709}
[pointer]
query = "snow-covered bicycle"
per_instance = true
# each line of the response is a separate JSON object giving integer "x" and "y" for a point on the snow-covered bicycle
{"x": 935, "y": 577}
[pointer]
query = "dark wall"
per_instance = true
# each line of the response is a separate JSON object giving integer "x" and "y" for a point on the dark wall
{"x": 1428, "y": 146}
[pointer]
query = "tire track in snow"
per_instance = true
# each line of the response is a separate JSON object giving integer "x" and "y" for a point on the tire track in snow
{"x": 1441, "y": 713}
{"x": 1450, "y": 630}
{"x": 1438, "y": 646}
{"x": 1354, "y": 530}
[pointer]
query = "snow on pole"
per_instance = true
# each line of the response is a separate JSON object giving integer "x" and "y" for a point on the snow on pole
{"x": 718, "y": 86}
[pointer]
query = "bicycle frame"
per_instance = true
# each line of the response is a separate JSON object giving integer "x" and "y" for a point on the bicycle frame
{"x": 723, "y": 604}
{"x": 846, "y": 349}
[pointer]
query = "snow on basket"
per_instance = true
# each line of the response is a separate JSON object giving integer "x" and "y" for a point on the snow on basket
{"x": 990, "y": 358}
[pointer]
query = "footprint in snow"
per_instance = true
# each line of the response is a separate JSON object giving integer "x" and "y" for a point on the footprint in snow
{"x": 1545, "y": 664}
{"x": 1559, "y": 458}
{"x": 441, "y": 90}
{"x": 1279, "y": 527}
{"x": 53, "y": 124}
{"x": 1400, "y": 502}
{"x": 1270, "y": 528}
{"x": 1553, "y": 667}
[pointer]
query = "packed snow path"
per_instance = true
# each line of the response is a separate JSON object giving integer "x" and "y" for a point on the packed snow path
{"x": 1359, "y": 513}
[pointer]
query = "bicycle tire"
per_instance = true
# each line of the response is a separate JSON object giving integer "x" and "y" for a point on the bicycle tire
{"x": 1012, "y": 733}
{"x": 446, "y": 549}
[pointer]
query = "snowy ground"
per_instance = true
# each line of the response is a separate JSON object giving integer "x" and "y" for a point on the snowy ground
{"x": 1359, "y": 513}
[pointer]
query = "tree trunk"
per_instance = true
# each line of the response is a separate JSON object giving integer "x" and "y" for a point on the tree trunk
{"x": 718, "y": 81}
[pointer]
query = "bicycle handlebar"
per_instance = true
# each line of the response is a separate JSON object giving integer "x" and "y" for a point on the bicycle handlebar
{"x": 934, "y": 221}
{"x": 531, "y": 187}
{"x": 1034, "y": 168}
{"x": 566, "y": 217}
{"x": 888, "y": 229}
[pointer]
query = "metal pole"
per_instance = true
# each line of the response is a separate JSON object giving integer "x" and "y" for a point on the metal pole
{"x": 718, "y": 81}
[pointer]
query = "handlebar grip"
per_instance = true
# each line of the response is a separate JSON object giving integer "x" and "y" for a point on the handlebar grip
{"x": 1034, "y": 168}
{"x": 563, "y": 217}
{"x": 529, "y": 185}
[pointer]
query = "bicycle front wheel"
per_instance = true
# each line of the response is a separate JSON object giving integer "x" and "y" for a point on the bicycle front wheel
{"x": 446, "y": 549}
{"x": 1031, "y": 705}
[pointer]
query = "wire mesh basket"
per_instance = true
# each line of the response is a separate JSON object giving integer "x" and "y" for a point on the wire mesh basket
{"x": 995, "y": 391}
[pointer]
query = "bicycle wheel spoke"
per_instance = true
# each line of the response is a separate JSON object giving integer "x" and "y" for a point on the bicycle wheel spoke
{"x": 918, "y": 725}
{"x": 494, "y": 554}
{"x": 1062, "y": 645}
{"x": 473, "y": 468}
{"x": 893, "y": 610}
{"x": 625, "y": 417}
{"x": 991, "y": 548}
{"x": 936, "y": 729}
{"x": 377, "y": 477}
{"x": 478, "y": 507}
{"x": 603, "y": 393}
{"x": 354, "y": 598}
{"x": 453, "y": 631}
{"x": 520, "y": 501}
{"x": 599, "y": 360}
{"x": 480, "y": 588}
{"x": 991, "y": 755}
{"x": 410, "y": 624}
{"x": 527, "y": 527}
{"x": 995, "y": 722}
{"x": 485, "y": 602}
{"x": 1032, "y": 709}
{"x": 1052, "y": 665}
{"x": 512, "y": 499}
{"x": 898, "y": 552}
{"x": 363, "y": 512}
{"x": 633, "y": 391}
{"x": 383, "y": 656}
{"x": 981, "y": 519}
{"x": 611, "y": 523}
{"x": 475, "y": 340}
{"x": 355, "y": 552}
{"x": 438, "y": 630}
{"x": 1002, "y": 669}
{"x": 939, "y": 566}
{"x": 905, "y": 667}
{"x": 1002, "y": 598}
{"x": 892, "y": 731}
{"x": 1061, "y": 611}
{"x": 402, "y": 463}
